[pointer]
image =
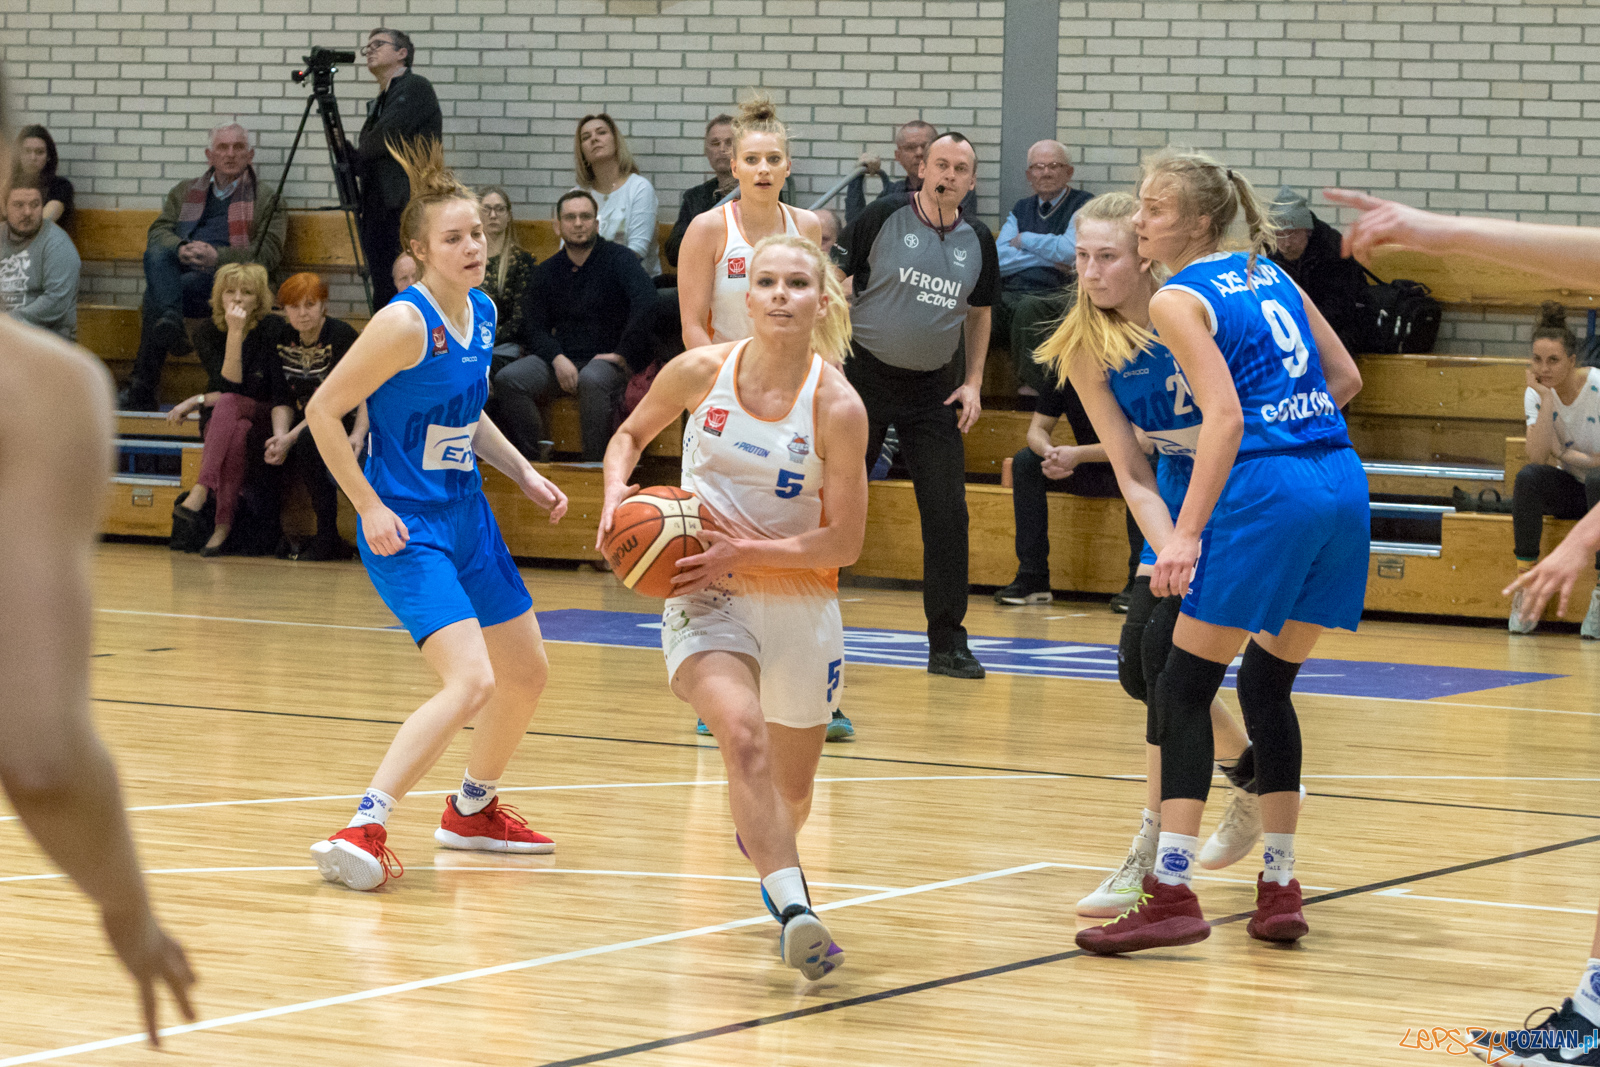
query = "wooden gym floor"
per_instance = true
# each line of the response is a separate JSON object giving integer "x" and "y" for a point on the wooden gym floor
{"x": 1453, "y": 844}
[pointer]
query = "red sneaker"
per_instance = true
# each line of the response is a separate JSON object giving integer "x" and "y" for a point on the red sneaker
{"x": 358, "y": 857}
{"x": 1278, "y": 916}
{"x": 497, "y": 828}
{"x": 1165, "y": 916}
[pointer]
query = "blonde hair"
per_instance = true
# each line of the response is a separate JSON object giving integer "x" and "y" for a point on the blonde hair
{"x": 581, "y": 167}
{"x": 830, "y": 335}
{"x": 759, "y": 115}
{"x": 511, "y": 236}
{"x": 249, "y": 278}
{"x": 1206, "y": 187}
{"x": 431, "y": 183}
{"x": 1090, "y": 331}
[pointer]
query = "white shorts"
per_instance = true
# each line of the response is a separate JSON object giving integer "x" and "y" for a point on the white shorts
{"x": 798, "y": 643}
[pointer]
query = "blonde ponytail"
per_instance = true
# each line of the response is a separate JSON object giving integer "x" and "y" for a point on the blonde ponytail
{"x": 1206, "y": 187}
{"x": 830, "y": 335}
{"x": 432, "y": 182}
{"x": 1090, "y": 331}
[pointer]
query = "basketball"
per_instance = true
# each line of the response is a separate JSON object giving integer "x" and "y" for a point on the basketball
{"x": 650, "y": 532}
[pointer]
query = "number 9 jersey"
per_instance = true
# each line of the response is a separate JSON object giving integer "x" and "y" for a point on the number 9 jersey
{"x": 1277, "y": 371}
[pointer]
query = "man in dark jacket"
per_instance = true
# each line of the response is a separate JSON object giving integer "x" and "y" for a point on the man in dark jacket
{"x": 586, "y": 329}
{"x": 1308, "y": 250}
{"x": 1037, "y": 246}
{"x": 705, "y": 196}
{"x": 406, "y": 110}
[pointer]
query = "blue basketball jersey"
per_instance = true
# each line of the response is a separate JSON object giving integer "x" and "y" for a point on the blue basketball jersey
{"x": 1265, "y": 337}
{"x": 1152, "y": 391}
{"x": 423, "y": 419}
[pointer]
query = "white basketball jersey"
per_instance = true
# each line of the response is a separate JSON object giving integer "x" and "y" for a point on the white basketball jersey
{"x": 759, "y": 478}
{"x": 729, "y": 319}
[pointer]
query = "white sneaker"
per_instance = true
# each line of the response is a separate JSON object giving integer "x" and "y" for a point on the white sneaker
{"x": 1236, "y": 834}
{"x": 1518, "y": 625}
{"x": 1120, "y": 890}
{"x": 1591, "y": 621}
{"x": 804, "y": 944}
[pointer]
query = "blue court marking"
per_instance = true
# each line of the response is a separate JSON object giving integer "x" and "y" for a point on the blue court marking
{"x": 1053, "y": 659}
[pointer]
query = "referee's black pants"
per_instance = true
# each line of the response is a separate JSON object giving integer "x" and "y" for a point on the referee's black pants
{"x": 930, "y": 442}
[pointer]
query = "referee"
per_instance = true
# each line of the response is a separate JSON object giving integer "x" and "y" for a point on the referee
{"x": 922, "y": 274}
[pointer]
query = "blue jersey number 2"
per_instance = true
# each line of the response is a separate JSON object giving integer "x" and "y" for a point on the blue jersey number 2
{"x": 834, "y": 678}
{"x": 789, "y": 484}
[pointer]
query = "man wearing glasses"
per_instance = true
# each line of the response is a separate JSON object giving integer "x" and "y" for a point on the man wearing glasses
{"x": 406, "y": 109}
{"x": 1037, "y": 246}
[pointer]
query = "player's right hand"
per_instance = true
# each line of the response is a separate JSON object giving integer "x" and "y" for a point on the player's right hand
{"x": 1175, "y": 566}
{"x": 615, "y": 494}
{"x": 385, "y": 533}
{"x": 150, "y": 956}
{"x": 1556, "y": 573}
{"x": 1386, "y": 222}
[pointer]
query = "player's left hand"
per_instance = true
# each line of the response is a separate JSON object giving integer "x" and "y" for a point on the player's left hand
{"x": 1175, "y": 565}
{"x": 971, "y": 404}
{"x": 1555, "y": 573}
{"x": 542, "y": 491}
{"x": 698, "y": 571}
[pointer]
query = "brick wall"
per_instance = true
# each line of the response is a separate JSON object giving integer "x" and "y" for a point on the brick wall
{"x": 1475, "y": 107}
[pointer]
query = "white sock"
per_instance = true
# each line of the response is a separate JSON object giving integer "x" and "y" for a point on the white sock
{"x": 1278, "y": 860}
{"x": 1175, "y": 856}
{"x": 475, "y": 794}
{"x": 786, "y": 887}
{"x": 1587, "y": 999}
{"x": 1150, "y": 827}
{"x": 376, "y": 806}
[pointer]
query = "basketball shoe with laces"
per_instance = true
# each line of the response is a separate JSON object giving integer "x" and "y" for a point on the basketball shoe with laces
{"x": 1164, "y": 916}
{"x": 804, "y": 943}
{"x": 497, "y": 828}
{"x": 1278, "y": 914}
{"x": 1120, "y": 890}
{"x": 358, "y": 857}
{"x": 1565, "y": 1036}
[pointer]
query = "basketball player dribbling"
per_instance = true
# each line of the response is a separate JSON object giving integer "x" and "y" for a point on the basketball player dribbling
{"x": 753, "y": 638}
{"x": 428, "y": 539}
{"x": 55, "y": 456}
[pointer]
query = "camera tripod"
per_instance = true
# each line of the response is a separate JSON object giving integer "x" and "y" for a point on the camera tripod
{"x": 320, "y": 68}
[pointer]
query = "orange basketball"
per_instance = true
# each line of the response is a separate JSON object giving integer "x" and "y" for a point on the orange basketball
{"x": 650, "y": 532}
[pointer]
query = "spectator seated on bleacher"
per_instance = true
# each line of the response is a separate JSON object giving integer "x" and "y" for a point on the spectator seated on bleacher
{"x": 506, "y": 275}
{"x": 248, "y": 401}
{"x": 309, "y": 345}
{"x": 405, "y": 272}
{"x": 1081, "y": 469}
{"x": 703, "y": 197}
{"x": 586, "y": 330}
{"x": 38, "y": 159}
{"x": 206, "y": 223}
{"x": 625, "y": 198}
{"x": 38, "y": 263}
{"x": 1562, "y": 478}
{"x": 1308, "y": 251}
{"x": 1037, "y": 246}
{"x": 911, "y": 142}
{"x": 830, "y": 237}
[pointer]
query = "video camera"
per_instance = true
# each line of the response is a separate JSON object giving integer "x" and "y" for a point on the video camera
{"x": 320, "y": 66}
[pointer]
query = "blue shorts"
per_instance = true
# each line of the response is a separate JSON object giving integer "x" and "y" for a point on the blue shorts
{"x": 1289, "y": 539}
{"x": 455, "y": 566}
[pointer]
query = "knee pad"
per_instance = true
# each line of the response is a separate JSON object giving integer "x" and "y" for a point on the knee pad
{"x": 1265, "y": 684}
{"x": 1130, "y": 650}
{"x": 1158, "y": 639}
{"x": 1182, "y": 704}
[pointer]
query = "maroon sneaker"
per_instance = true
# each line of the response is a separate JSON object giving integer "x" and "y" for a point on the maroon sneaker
{"x": 1278, "y": 916}
{"x": 1165, "y": 916}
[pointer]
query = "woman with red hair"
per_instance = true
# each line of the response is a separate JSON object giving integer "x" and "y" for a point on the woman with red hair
{"x": 309, "y": 345}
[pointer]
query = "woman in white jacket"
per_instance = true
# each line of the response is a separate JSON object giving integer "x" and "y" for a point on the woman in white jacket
{"x": 627, "y": 201}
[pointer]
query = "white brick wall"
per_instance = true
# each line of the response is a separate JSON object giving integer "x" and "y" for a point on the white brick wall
{"x": 1475, "y": 106}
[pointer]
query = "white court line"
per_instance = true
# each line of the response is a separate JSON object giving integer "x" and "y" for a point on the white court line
{"x": 562, "y": 788}
{"x": 486, "y": 972}
{"x": 475, "y": 869}
{"x": 597, "y": 644}
{"x": 1405, "y": 894}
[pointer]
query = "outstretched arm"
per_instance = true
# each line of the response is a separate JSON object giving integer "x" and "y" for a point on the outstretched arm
{"x": 55, "y": 451}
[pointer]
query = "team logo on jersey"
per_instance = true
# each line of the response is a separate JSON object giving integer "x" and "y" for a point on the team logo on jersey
{"x": 485, "y": 334}
{"x": 912, "y": 240}
{"x": 961, "y": 256}
{"x": 716, "y": 419}
{"x": 736, "y": 267}
{"x": 449, "y": 448}
{"x": 439, "y": 346}
{"x": 799, "y": 448}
